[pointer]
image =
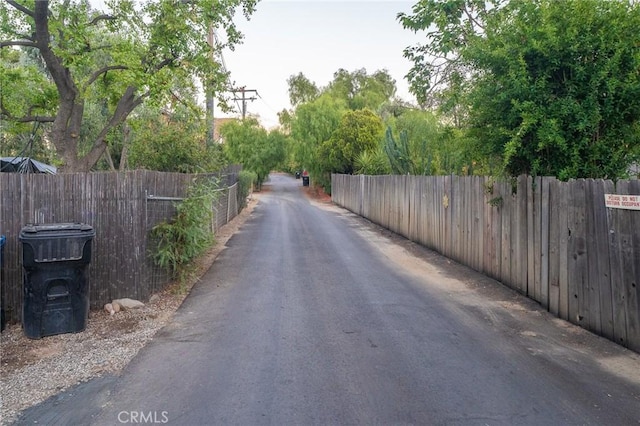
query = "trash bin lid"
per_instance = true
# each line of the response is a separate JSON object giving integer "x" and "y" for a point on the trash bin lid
{"x": 55, "y": 242}
{"x": 55, "y": 230}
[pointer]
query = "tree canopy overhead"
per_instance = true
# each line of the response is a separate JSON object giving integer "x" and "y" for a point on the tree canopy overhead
{"x": 120, "y": 57}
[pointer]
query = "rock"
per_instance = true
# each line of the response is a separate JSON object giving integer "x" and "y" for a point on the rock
{"x": 116, "y": 306}
{"x": 154, "y": 298}
{"x": 127, "y": 303}
{"x": 109, "y": 308}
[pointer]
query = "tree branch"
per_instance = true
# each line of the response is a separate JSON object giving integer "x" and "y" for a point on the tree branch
{"x": 27, "y": 118}
{"x": 164, "y": 63}
{"x": 179, "y": 99}
{"x": 127, "y": 103}
{"x": 18, "y": 43}
{"x": 103, "y": 70}
{"x": 20, "y": 7}
{"x": 102, "y": 18}
{"x": 59, "y": 73}
{"x": 472, "y": 18}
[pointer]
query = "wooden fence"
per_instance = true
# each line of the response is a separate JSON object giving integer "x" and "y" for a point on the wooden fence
{"x": 555, "y": 242}
{"x": 121, "y": 207}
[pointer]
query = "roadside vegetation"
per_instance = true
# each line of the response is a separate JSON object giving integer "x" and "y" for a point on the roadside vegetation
{"x": 502, "y": 87}
{"x": 186, "y": 236}
{"x": 98, "y": 84}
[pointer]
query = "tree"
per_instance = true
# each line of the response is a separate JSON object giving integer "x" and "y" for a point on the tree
{"x": 557, "y": 88}
{"x": 313, "y": 123}
{"x": 547, "y": 87}
{"x": 171, "y": 142}
{"x": 246, "y": 143}
{"x": 430, "y": 147}
{"x": 358, "y": 132}
{"x": 361, "y": 90}
{"x": 301, "y": 89}
{"x": 450, "y": 26}
{"x": 132, "y": 53}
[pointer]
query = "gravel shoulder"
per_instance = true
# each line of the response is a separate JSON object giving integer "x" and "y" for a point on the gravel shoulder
{"x": 34, "y": 370}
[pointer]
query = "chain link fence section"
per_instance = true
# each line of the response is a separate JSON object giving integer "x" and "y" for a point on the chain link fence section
{"x": 160, "y": 209}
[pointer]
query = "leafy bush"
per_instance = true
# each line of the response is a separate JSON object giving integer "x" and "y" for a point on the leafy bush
{"x": 188, "y": 234}
{"x": 246, "y": 180}
{"x": 372, "y": 163}
{"x": 177, "y": 145}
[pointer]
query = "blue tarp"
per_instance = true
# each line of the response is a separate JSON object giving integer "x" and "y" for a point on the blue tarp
{"x": 25, "y": 165}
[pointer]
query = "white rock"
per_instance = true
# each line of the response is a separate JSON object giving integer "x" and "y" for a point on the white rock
{"x": 127, "y": 303}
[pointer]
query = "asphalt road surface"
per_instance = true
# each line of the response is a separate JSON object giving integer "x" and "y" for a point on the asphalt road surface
{"x": 313, "y": 316}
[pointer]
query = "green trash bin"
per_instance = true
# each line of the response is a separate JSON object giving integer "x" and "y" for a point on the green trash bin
{"x": 55, "y": 258}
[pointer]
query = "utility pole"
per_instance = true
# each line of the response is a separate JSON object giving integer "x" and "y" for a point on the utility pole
{"x": 244, "y": 98}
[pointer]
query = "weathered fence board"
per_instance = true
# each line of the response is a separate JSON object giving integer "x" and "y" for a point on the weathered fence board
{"x": 117, "y": 206}
{"x": 556, "y": 242}
{"x": 563, "y": 250}
{"x": 554, "y": 248}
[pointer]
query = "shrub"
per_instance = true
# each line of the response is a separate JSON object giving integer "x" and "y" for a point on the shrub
{"x": 188, "y": 234}
{"x": 246, "y": 181}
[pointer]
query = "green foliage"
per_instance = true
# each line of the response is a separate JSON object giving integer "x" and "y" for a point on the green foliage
{"x": 496, "y": 201}
{"x": 418, "y": 144}
{"x": 246, "y": 143}
{"x": 19, "y": 72}
{"x": 449, "y": 27}
{"x": 541, "y": 87}
{"x": 246, "y": 180}
{"x": 171, "y": 144}
{"x": 301, "y": 89}
{"x": 398, "y": 153}
{"x": 107, "y": 62}
{"x": 188, "y": 234}
{"x": 560, "y": 85}
{"x": 358, "y": 132}
{"x": 360, "y": 90}
{"x": 372, "y": 163}
{"x": 317, "y": 116}
{"x": 313, "y": 123}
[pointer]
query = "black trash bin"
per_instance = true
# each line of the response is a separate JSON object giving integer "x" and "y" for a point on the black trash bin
{"x": 55, "y": 258}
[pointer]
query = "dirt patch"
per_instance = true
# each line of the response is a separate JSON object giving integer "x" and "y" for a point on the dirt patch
{"x": 317, "y": 194}
{"x": 24, "y": 352}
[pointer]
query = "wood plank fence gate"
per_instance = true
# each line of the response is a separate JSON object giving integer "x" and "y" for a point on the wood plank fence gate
{"x": 555, "y": 242}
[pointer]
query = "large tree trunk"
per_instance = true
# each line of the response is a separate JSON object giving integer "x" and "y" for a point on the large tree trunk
{"x": 66, "y": 126}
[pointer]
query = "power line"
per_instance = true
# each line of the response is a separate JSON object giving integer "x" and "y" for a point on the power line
{"x": 267, "y": 104}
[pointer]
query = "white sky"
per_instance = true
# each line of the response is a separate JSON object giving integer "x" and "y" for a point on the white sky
{"x": 285, "y": 37}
